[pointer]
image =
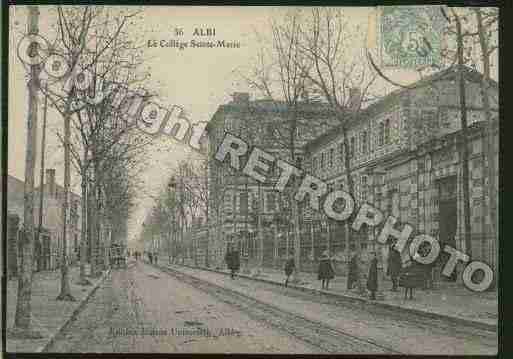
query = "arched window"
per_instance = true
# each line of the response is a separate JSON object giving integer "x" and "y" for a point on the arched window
{"x": 341, "y": 151}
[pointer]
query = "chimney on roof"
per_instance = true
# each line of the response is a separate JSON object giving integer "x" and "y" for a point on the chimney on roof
{"x": 355, "y": 98}
{"x": 50, "y": 181}
{"x": 240, "y": 97}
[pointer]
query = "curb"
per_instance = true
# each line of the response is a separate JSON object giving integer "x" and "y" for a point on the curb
{"x": 350, "y": 298}
{"x": 74, "y": 314}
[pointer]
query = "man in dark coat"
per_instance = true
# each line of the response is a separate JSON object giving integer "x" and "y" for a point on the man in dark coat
{"x": 232, "y": 261}
{"x": 372, "y": 279}
{"x": 326, "y": 271}
{"x": 228, "y": 257}
{"x": 289, "y": 268}
{"x": 235, "y": 262}
{"x": 394, "y": 266}
{"x": 352, "y": 272}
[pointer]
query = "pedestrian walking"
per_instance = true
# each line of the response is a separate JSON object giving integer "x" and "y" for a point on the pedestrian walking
{"x": 394, "y": 266}
{"x": 235, "y": 262}
{"x": 352, "y": 271}
{"x": 232, "y": 261}
{"x": 228, "y": 257}
{"x": 412, "y": 277}
{"x": 150, "y": 256}
{"x": 289, "y": 268}
{"x": 326, "y": 271}
{"x": 372, "y": 278}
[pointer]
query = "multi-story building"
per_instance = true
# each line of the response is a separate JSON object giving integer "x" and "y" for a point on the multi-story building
{"x": 239, "y": 204}
{"x": 405, "y": 158}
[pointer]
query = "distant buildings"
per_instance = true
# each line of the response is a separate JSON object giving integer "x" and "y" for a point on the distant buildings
{"x": 50, "y": 246}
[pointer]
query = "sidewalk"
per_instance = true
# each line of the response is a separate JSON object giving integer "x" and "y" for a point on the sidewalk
{"x": 49, "y": 316}
{"x": 448, "y": 301}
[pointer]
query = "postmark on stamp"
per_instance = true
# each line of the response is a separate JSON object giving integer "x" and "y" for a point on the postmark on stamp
{"x": 411, "y": 36}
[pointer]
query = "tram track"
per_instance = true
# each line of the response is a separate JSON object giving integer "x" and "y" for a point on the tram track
{"x": 326, "y": 338}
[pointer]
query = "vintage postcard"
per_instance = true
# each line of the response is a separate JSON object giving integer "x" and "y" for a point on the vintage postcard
{"x": 255, "y": 180}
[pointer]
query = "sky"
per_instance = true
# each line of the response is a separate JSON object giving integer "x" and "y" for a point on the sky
{"x": 198, "y": 79}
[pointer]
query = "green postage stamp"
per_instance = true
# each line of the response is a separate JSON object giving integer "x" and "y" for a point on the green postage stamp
{"x": 411, "y": 36}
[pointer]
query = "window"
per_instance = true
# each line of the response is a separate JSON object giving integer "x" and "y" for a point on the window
{"x": 254, "y": 203}
{"x": 331, "y": 157}
{"x": 244, "y": 202}
{"x": 299, "y": 162}
{"x": 363, "y": 188}
{"x": 386, "y": 132}
{"x": 381, "y": 134}
{"x": 341, "y": 151}
{"x": 352, "y": 151}
{"x": 271, "y": 202}
{"x": 270, "y": 130}
{"x": 363, "y": 142}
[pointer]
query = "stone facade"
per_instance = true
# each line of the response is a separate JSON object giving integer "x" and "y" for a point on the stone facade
{"x": 409, "y": 166}
{"x": 404, "y": 157}
{"x": 235, "y": 199}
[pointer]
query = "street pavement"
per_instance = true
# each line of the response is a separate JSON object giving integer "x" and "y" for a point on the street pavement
{"x": 143, "y": 309}
{"x": 394, "y": 329}
{"x": 48, "y": 314}
{"x": 451, "y": 300}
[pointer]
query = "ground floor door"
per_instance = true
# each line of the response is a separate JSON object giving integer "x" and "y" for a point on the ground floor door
{"x": 448, "y": 216}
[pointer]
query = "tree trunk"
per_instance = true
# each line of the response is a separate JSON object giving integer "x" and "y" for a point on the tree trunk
{"x": 296, "y": 277}
{"x": 464, "y": 141}
{"x": 491, "y": 174}
{"x": 95, "y": 248}
{"x": 65, "y": 293}
{"x": 350, "y": 188}
{"x": 260, "y": 231}
{"x": 22, "y": 318}
{"x": 83, "y": 240}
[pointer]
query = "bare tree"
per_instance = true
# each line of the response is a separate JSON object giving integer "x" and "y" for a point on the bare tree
{"x": 487, "y": 21}
{"x": 280, "y": 75}
{"x": 327, "y": 40}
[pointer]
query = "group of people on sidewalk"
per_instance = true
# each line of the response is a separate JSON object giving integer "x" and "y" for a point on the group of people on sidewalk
{"x": 153, "y": 257}
{"x": 414, "y": 275}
